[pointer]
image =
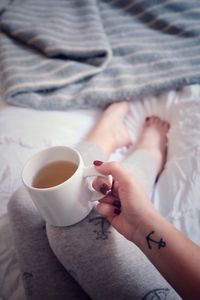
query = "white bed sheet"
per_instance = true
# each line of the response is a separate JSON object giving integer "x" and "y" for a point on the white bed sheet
{"x": 25, "y": 131}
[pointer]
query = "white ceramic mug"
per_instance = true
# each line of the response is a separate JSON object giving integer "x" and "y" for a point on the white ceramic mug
{"x": 69, "y": 202}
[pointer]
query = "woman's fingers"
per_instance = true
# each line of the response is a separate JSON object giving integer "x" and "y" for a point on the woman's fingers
{"x": 102, "y": 185}
{"x": 112, "y": 200}
{"x": 107, "y": 210}
{"x": 109, "y": 206}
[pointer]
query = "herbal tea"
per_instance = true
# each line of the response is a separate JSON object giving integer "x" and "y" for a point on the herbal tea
{"x": 54, "y": 174}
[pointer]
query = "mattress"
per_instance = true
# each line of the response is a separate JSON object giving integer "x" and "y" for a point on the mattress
{"x": 24, "y": 131}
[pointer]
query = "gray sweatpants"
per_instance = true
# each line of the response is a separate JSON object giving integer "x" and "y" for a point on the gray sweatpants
{"x": 89, "y": 259}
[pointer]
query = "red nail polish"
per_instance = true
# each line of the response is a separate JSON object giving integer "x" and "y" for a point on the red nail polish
{"x": 117, "y": 203}
{"x": 104, "y": 189}
{"x": 117, "y": 211}
{"x": 97, "y": 162}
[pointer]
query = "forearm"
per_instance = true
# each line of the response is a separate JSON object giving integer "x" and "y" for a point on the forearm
{"x": 176, "y": 257}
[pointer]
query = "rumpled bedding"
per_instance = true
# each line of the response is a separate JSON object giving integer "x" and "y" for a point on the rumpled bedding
{"x": 25, "y": 132}
{"x": 75, "y": 53}
{"x": 56, "y": 55}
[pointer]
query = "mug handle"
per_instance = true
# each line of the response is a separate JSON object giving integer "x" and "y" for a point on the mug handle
{"x": 91, "y": 172}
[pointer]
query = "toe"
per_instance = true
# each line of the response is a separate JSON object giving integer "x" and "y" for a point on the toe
{"x": 157, "y": 120}
{"x": 165, "y": 125}
{"x": 148, "y": 121}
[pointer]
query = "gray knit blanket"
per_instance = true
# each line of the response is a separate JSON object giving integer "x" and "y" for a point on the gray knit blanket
{"x": 60, "y": 54}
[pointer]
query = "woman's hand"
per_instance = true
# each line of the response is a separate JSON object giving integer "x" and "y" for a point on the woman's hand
{"x": 130, "y": 211}
{"x": 125, "y": 204}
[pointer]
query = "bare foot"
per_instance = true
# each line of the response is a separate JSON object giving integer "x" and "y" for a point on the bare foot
{"x": 110, "y": 131}
{"x": 154, "y": 139}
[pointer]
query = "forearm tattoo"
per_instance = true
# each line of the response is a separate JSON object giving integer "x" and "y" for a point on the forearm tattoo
{"x": 150, "y": 241}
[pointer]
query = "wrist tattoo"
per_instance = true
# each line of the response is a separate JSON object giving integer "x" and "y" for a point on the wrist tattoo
{"x": 150, "y": 241}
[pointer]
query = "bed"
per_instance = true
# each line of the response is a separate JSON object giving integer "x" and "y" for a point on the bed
{"x": 29, "y": 124}
{"x": 26, "y": 131}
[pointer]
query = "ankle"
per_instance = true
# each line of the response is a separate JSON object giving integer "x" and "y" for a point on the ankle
{"x": 155, "y": 152}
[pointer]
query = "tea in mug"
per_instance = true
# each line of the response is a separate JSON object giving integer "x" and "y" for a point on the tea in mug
{"x": 54, "y": 174}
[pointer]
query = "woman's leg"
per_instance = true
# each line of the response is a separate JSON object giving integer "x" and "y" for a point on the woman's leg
{"x": 43, "y": 275}
{"x": 108, "y": 134}
{"x": 148, "y": 157}
{"x": 106, "y": 265}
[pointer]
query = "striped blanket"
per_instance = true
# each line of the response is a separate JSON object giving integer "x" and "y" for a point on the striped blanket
{"x": 82, "y": 53}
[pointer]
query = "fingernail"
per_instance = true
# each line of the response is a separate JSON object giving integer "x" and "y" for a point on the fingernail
{"x": 104, "y": 189}
{"x": 117, "y": 211}
{"x": 117, "y": 203}
{"x": 97, "y": 162}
